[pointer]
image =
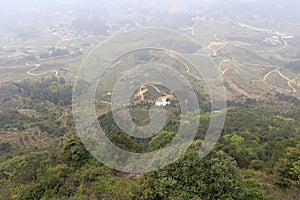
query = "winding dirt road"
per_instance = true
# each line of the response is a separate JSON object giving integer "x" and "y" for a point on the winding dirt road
{"x": 37, "y": 66}
{"x": 290, "y": 82}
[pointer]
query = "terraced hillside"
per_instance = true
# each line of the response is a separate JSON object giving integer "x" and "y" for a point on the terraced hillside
{"x": 34, "y": 115}
{"x": 12, "y": 104}
{"x": 14, "y": 142}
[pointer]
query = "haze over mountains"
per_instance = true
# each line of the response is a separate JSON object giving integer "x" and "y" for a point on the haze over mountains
{"x": 17, "y": 10}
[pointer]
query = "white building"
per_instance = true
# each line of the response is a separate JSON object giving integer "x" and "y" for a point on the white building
{"x": 162, "y": 102}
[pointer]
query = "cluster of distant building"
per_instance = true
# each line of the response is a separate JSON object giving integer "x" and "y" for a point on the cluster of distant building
{"x": 274, "y": 40}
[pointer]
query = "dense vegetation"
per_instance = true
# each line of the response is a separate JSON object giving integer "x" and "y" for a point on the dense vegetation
{"x": 70, "y": 172}
{"x": 257, "y": 157}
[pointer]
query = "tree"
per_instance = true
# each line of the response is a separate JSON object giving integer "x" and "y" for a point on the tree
{"x": 110, "y": 187}
{"x": 75, "y": 153}
{"x": 161, "y": 139}
{"x": 288, "y": 169}
{"x": 213, "y": 177}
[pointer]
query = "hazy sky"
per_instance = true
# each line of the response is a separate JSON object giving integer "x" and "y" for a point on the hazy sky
{"x": 12, "y": 10}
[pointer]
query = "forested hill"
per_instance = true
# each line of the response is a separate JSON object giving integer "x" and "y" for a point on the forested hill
{"x": 257, "y": 156}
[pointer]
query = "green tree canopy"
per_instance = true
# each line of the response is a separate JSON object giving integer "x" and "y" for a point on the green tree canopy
{"x": 288, "y": 169}
{"x": 213, "y": 177}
